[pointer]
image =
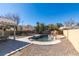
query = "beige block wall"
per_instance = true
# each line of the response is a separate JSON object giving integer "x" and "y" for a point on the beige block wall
{"x": 73, "y": 37}
{"x": 65, "y": 32}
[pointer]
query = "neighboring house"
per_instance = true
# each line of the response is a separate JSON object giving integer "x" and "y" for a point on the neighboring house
{"x": 25, "y": 28}
{"x": 19, "y": 28}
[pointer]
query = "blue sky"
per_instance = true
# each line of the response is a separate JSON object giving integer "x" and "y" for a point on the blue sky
{"x": 46, "y": 13}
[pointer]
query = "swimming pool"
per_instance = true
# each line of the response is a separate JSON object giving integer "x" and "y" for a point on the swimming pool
{"x": 43, "y": 38}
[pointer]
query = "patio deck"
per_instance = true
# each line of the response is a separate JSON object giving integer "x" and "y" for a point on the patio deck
{"x": 64, "y": 48}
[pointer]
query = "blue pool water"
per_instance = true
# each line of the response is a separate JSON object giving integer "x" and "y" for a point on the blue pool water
{"x": 42, "y": 38}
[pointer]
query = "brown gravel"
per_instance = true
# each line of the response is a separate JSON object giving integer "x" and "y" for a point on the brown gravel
{"x": 64, "y": 48}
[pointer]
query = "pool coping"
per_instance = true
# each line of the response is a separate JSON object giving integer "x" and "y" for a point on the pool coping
{"x": 47, "y": 43}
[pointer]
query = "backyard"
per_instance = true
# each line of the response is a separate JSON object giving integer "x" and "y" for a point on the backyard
{"x": 39, "y": 30}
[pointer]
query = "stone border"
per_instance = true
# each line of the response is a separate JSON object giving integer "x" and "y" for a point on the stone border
{"x": 47, "y": 43}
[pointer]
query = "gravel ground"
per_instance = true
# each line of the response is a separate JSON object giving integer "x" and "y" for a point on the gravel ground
{"x": 64, "y": 48}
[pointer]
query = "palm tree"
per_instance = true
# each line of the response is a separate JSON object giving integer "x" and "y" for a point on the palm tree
{"x": 37, "y": 27}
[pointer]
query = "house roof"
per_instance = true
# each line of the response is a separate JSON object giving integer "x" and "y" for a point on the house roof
{"x": 66, "y": 28}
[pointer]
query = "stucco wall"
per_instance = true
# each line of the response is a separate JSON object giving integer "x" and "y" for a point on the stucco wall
{"x": 65, "y": 32}
{"x": 73, "y": 37}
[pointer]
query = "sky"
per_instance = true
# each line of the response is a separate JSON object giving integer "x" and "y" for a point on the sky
{"x": 47, "y": 13}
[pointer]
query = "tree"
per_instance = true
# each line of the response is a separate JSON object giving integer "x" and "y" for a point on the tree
{"x": 77, "y": 24}
{"x": 37, "y": 27}
{"x": 70, "y": 23}
{"x": 51, "y": 27}
{"x": 14, "y": 17}
{"x": 59, "y": 25}
{"x": 42, "y": 27}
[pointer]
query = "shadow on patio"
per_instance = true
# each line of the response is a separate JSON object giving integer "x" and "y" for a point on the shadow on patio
{"x": 10, "y": 45}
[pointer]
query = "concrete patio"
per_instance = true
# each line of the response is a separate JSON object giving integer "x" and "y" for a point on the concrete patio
{"x": 64, "y": 48}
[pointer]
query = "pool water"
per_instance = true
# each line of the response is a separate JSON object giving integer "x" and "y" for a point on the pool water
{"x": 42, "y": 38}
